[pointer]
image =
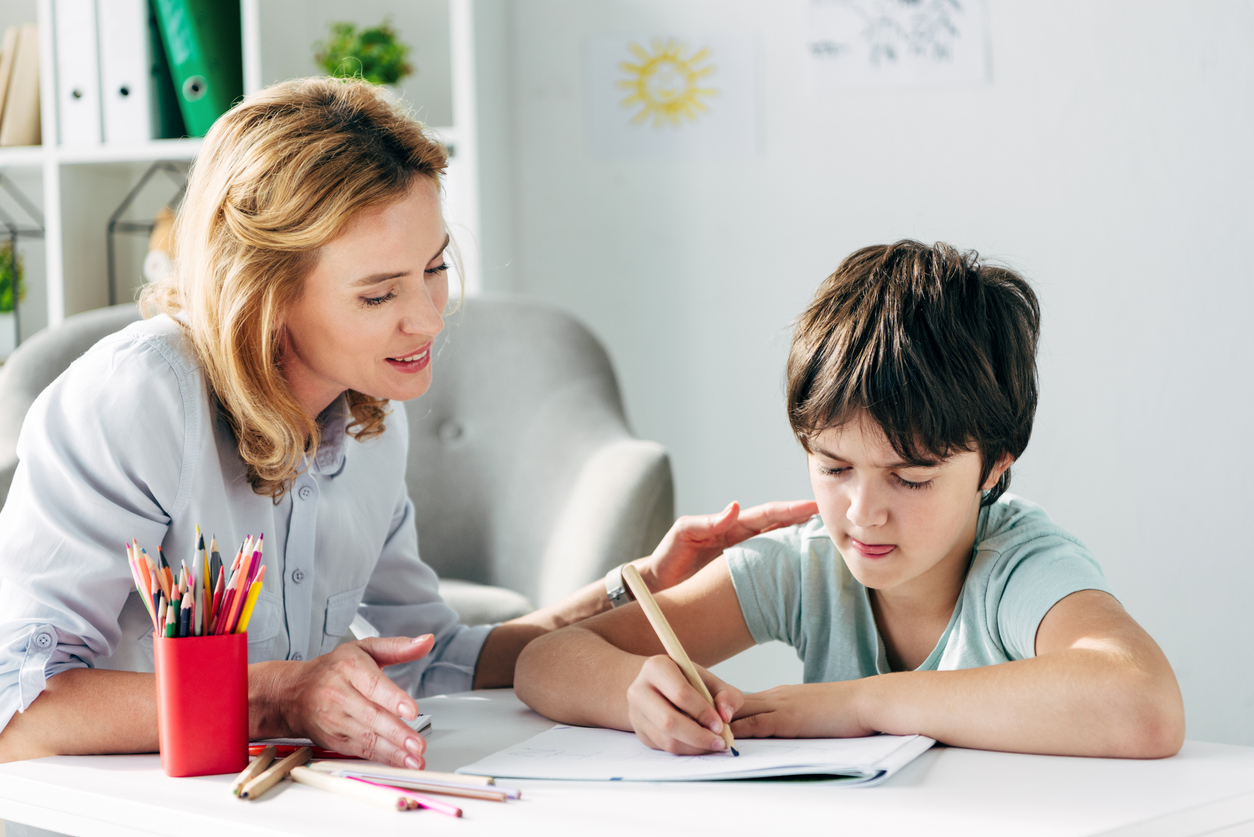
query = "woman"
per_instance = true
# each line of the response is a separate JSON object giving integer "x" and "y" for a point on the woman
{"x": 310, "y": 280}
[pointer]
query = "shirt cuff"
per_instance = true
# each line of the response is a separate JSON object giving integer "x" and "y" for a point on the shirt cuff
{"x": 449, "y": 668}
{"x": 25, "y": 682}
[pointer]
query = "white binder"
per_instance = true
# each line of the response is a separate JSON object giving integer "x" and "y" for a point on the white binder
{"x": 126, "y": 80}
{"x": 78, "y": 72}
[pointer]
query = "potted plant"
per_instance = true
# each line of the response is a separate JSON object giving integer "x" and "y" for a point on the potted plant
{"x": 10, "y": 283}
{"x": 373, "y": 53}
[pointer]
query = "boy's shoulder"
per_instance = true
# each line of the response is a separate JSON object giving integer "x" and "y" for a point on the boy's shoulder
{"x": 1012, "y": 522}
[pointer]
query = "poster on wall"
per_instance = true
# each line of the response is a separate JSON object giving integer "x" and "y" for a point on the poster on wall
{"x": 890, "y": 43}
{"x": 671, "y": 96}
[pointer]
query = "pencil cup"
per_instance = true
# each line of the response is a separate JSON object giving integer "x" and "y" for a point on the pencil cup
{"x": 202, "y": 703}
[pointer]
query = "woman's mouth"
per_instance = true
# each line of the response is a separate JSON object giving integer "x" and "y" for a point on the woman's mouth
{"x": 872, "y": 550}
{"x": 415, "y": 362}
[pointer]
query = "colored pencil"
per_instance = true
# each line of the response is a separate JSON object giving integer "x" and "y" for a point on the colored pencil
{"x": 671, "y": 643}
{"x": 254, "y": 591}
{"x": 271, "y": 776}
{"x": 254, "y": 769}
{"x": 388, "y": 798}
{"x": 419, "y": 800}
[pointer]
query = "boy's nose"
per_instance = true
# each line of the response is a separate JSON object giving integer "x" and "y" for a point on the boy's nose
{"x": 867, "y": 508}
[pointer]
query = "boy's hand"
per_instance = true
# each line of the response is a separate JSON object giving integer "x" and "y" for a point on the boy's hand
{"x": 668, "y": 714}
{"x": 695, "y": 540}
{"x": 815, "y": 710}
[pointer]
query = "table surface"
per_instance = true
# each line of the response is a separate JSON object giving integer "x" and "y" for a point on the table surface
{"x": 1206, "y": 789}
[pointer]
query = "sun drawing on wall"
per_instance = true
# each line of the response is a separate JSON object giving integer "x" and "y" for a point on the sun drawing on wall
{"x": 666, "y": 85}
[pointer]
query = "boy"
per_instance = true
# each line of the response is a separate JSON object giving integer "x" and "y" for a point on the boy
{"x": 922, "y": 599}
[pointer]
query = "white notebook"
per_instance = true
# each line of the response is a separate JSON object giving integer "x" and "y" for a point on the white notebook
{"x": 582, "y": 754}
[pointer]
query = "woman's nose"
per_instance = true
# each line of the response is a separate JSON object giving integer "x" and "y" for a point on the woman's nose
{"x": 423, "y": 316}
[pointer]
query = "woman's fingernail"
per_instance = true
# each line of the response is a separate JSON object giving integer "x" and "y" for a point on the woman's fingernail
{"x": 419, "y": 639}
{"x": 413, "y": 763}
{"x": 414, "y": 746}
{"x": 403, "y": 710}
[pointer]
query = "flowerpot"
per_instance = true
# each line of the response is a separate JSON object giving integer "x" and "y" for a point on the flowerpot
{"x": 8, "y": 333}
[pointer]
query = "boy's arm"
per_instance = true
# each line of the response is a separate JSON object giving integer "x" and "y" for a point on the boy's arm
{"x": 611, "y": 670}
{"x": 1098, "y": 686}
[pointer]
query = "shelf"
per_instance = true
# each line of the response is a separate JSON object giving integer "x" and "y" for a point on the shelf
{"x": 139, "y": 152}
{"x": 23, "y": 155}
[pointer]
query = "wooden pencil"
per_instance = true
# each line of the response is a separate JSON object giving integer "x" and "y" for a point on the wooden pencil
{"x": 363, "y": 767}
{"x": 671, "y": 643}
{"x": 254, "y": 788}
{"x": 381, "y": 797}
{"x": 254, "y": 769}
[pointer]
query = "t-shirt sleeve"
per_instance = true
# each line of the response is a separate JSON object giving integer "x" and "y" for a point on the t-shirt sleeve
{"x": 765, "y": 573}
{"x": 1031, "y": 578}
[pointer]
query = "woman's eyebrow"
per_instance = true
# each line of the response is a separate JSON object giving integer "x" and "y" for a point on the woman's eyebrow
{"x": 376, "y": 278}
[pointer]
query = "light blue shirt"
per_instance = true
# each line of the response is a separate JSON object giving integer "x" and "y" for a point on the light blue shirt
{"x": 793, "y": 586}
{"x": 128, "y": 443}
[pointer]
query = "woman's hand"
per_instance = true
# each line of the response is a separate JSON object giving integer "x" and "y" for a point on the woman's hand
{"x": 814, "y": 710}
{"x": 344, "y": 701}
{"x": 696, "y": 540}
{"x": 668, "y": 714}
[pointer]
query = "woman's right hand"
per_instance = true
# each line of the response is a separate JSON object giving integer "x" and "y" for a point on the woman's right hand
{"x": 668, "y": 714}
{"x": 344, "y": 702}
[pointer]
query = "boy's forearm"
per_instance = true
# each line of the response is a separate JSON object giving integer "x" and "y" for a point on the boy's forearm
{"x": 1075, "y": 702}
{"x": 576, "y": 677}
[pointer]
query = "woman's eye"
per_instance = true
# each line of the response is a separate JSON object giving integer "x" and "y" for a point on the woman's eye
{"x": 371, "y": 301}
{"x": 440, "y": 268}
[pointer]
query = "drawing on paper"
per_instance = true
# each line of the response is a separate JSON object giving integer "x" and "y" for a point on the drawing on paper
{"x": 869, "y": 42}
{"x": 668, "y": 83}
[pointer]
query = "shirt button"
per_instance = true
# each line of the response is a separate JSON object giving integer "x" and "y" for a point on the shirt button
{"x": 298, "y": 656}
{"x": 298, "y": 576}
{"x": 305, "y": 492}
{"x": 43, "y": 640}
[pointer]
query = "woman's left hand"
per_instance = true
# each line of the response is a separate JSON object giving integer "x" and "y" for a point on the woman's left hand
{"x": 696, "y": 540}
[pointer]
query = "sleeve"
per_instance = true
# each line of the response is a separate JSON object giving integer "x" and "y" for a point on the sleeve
{"x": 100, "y": 458}
{"x": 402, "y": 598}
{"x": 766, "y": 575}
{"x": 1034, "y": 576}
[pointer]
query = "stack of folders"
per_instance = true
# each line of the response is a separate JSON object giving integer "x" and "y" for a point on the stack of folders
{"x": 19, "y": 86}
{"x": 137, "y": 70}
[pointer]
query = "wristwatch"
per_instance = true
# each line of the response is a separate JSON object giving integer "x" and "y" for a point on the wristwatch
{"x": 615, "y": 588}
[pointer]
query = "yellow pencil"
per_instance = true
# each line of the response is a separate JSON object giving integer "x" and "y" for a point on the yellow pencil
{"x": 671, "y": 642}
{"x": 254, "y": 590}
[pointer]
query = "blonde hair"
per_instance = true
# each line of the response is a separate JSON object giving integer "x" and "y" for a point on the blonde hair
{"x": 280, "y": 175}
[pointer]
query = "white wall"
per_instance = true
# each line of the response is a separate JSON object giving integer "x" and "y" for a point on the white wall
{"x": 1108, "y": 159}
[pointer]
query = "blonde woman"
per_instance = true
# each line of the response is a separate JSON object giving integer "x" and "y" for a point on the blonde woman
{"x": 260, "y": 396}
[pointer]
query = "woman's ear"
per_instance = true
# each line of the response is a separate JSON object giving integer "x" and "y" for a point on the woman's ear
{"x": 1003, "y": 462}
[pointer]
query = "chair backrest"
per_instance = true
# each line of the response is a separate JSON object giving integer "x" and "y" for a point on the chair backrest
{"x": 37, "y": 362}
{"x": 522, "y": 468}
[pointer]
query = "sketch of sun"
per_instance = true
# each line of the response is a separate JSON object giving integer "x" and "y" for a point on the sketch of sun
{"x": 666, "y": 85}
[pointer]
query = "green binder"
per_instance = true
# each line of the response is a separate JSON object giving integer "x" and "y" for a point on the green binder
{"x": 202, "y": 42}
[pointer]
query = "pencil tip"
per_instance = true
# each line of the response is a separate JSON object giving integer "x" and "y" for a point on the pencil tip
{"x": 735, "y": 752}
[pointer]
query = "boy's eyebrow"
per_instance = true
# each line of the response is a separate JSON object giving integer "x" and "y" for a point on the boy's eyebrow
{"x": 375, "y": 278}
{"x": 918, "y": 463}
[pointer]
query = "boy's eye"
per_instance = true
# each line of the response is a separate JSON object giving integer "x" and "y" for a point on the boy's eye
{"x": 371, "y": 301}
{"x": 832, "y": 472}
{"x": 904, "y": 483}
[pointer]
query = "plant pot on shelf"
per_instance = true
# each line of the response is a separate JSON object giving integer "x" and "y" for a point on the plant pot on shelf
{"x": 8, "y": 336}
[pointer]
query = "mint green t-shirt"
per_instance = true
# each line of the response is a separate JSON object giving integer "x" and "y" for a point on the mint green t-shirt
{"x": 793, "y": 586}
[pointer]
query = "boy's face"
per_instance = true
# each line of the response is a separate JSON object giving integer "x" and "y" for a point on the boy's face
{"x": 902, "y": 528}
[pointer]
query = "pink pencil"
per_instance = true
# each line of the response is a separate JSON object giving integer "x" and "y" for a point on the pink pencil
{"x": 423, "y": 801}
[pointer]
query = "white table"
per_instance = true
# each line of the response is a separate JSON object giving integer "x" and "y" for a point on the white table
{"x": 1206, "y": 789}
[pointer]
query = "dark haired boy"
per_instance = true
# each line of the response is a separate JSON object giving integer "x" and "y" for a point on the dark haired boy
{"x": 922, "y": 598}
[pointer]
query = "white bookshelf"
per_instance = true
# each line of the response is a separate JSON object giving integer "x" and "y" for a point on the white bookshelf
{"x": 77, "y": 188}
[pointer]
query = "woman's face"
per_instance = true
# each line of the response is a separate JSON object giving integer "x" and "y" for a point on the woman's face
{"x": 371, "y": 306}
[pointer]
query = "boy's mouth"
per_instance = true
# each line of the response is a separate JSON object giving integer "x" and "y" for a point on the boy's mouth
{"x": 872, "y": 550}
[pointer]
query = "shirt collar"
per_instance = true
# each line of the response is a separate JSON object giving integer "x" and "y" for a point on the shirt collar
{"x": 333, "y": 424}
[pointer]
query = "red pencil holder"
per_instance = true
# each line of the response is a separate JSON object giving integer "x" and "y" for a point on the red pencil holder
{"x": 202, "y": 703}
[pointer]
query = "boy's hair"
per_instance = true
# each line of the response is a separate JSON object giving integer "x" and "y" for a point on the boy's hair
{"x": 937, "y": 348}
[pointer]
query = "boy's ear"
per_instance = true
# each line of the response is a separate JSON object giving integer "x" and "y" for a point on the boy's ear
{"x": 1003, "y": 462}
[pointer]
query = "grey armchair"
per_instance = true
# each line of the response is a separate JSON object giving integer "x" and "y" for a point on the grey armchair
{"x": 526, "y": 479}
